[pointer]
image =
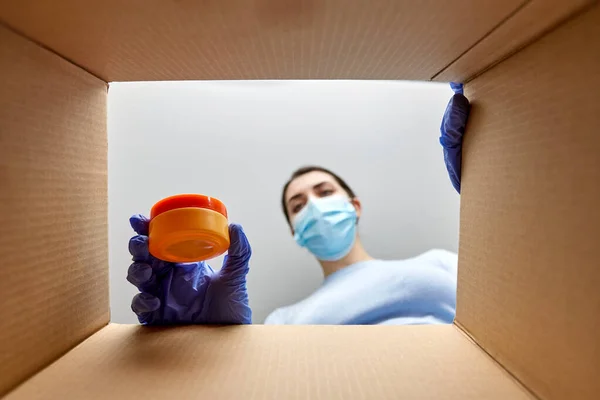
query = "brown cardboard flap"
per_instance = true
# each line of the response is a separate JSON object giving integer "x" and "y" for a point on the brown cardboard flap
{"x": 139, "y": 40}
{"x": 53, "y": 238}
{"x": 531, "y": 21}
{"x": 529, "y": 269}
{"x": 274, "y": 362}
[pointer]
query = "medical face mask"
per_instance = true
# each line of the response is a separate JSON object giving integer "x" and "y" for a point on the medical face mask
{"x": 326, "y": 227}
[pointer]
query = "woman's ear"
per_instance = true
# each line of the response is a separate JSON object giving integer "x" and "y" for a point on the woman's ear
{"x": 357, "y": 206}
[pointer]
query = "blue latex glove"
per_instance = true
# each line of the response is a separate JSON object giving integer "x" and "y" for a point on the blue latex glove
{"x": 453, "y": 129}
{"x": 189, "y": 293}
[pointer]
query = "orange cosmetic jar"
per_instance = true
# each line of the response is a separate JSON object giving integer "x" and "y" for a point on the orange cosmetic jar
{"x": 187, "y": 228}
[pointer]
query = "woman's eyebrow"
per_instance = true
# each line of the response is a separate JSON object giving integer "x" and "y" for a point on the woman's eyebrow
{"x": 320, "y": 185}
{"x": 295, "y": 197}
{"x": 299, "y": 196}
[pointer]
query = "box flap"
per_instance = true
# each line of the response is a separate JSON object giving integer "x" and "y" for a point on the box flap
{"x": 53, "y": 245}
{"x": 264, "y": 39}
{"x": 520, "y": 29}
{"x": 274, "y": 362}
{"x": 529, "y": 269}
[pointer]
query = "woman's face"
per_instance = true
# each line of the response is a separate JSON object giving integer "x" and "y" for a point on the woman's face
{"x": 315, "y": 184}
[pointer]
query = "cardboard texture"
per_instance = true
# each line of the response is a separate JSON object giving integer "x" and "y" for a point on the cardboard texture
{"x": 530, "y": 222}
{"x": 266, "y": 362}
{"x": 138, "y": 40}
{"x": 528, "y": 23}
{"x": 53, "y": 246}
{"x": 529, "y": 272}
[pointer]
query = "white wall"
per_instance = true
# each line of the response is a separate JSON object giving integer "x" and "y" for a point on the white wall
{"x": 239, "y": 141}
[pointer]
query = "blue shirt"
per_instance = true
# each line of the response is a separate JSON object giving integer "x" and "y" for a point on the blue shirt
{"x": 420, "y": 290}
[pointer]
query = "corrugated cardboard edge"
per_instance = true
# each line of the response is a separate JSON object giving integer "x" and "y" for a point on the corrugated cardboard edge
{"x": 54, "y": 278}
{"x": 8, "y": 27}
{"x": 512, "y": 376}
{"x": 533, "y": 20}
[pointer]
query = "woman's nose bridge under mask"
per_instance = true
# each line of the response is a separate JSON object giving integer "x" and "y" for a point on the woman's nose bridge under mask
{"x": 309, "y": 203}
{"x": 326, "y": 227}
{"x": 317, "y": 203}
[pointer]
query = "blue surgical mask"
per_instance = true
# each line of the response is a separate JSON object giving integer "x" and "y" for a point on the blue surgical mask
{"x": 326, "y": 227}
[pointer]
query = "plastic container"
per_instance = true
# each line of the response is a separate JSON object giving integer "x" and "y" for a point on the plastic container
{"x": 187, "y": 228}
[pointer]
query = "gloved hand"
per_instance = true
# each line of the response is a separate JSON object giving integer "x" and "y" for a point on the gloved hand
{"x": 189, "y": 293}
{"x": 453, "y": 129}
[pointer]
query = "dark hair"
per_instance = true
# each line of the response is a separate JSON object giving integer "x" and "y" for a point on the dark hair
{"x": 305, "y": 170}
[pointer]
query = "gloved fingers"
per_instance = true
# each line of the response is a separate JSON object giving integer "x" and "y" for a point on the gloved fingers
{"x": 239, "y": 246}
{"x": 454, "y": 121}
{"x": 140, "y": 224}
{"x": 144, "y": 304}
{"x": 235, "y": 266}
{"x": 457, "y": 87}
{"x": 453, "y": 159}
{"x": 138, "y": 248}
{"x": 140, "y": 275}
{"x": 452, "y": 131}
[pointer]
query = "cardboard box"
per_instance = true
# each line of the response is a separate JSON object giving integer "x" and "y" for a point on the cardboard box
{"x": 528, "y": 316}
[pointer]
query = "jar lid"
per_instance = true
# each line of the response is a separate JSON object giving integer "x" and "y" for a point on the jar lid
{"x": 186, "y": 201}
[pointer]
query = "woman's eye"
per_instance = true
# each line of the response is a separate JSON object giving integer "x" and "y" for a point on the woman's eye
{"x": 296, "y": 209}
{"x": 326, "y": 192}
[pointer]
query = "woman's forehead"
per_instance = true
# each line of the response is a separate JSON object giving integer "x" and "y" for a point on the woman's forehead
{"x": 306, "y": 182}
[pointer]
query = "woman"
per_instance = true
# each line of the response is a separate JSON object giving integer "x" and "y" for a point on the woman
{"x": 323, "y": 213}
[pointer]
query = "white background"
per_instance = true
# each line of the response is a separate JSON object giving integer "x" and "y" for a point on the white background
{"x": 240, "y": 141}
